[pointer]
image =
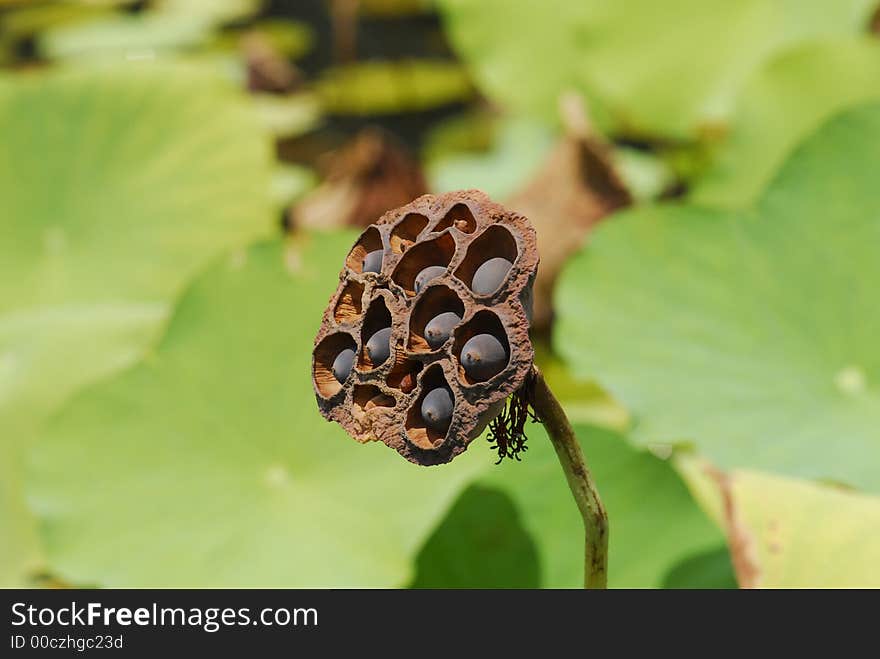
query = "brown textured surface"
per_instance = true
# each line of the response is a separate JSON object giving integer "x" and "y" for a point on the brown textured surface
{"x": 585, "y": 189}
{"x": 371, "y": 173}
{"x": 576, "y": 187}
{"x": 383, "y": 403}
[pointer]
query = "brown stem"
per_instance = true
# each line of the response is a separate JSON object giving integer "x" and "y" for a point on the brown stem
{"x": 580, "y": 483}
{"x": 344, "y": 16}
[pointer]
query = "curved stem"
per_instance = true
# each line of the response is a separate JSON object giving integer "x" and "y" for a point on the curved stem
{"x": 580, "y": 482}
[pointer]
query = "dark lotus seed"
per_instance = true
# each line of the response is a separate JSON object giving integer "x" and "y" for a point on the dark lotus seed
{"x": 378, "y": 348}
{"x": 373, "y": 262}
{"x": 490, "y": 275}
{"x": 482, "y": 357}
{"x": 342, "y": 365}
{"x": 427, "y": 274}
{"x": 437, "y": 409}
{"x": 439, "y": 328}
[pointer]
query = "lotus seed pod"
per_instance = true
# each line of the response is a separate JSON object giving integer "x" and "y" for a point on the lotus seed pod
{"x": 426, "y": 275}
{"x": 342, "y": 365}
{"x": 437, "y": 408}
{"x": 490, "y": 275}
{"x": 378, "y": 348}
{"x": 438, "y": 342}
{"x": 439, "y": 329}
{"x": 483, "y": 356}
{"x": 373, "y": 262}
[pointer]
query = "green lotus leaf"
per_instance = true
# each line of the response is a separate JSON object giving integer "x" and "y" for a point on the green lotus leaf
{"x": 292, "y": 39}
{"x": 376, "y": 87}
{"x": 25, "y": 20}
{"x": 648, "y": 68}
{"x": 807, "y": 536}
{"x": 166, "y": 26}
{"x": 124, "y": 36}
{"x": 214, "y": 10}
{"x": 785, "y": 102}
{"x": 752, "y": 334}
{"x": 481, "y": 543}
{"x": 518, "y": 150}
{"x": 790, "y": 533}
{"x": 117, "y": 184}
{"x": 707, "y": 569}
{"x": 288, "y": 116}
{"x": 519, "y": 527}
{"x": 209, "y": 465}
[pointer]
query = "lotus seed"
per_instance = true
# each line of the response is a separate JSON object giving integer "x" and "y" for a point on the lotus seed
{"x": 483, "y": 356}
{"x": 378, "y": 348}
{"x": 439, "y": 328}
{"x": 373, "y": 261}
{"x": 437, "y": 408}
{"x": 427, "y": 274}
{"x": 490, "y": 275}
{"x": 342, "y": 365}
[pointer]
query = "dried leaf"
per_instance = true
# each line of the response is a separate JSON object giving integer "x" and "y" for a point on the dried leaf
{"x": 363, "y": 180}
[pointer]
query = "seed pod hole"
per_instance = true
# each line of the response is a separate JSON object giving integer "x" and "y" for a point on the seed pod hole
{"x": 405, "y": 232}
{"x": 368, "y": 244}
{"x": 481, "y": 347}
{"x": 429, "y": 417}
{"x": 375, "y": 336}
{"x": 349, "y": 303}
{"x": 460, "y": 217}
{"x": 404, "y": 374}
{"x": 438, "y": 307}
{"x": 486, "y": 255}
{"x": 330, "y": 351}
{"x": 367, "y": 397}
{"x": 436, "y": 252}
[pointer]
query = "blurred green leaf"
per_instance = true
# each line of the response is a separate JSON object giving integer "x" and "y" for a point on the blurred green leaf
{"x": 46, "y": 353}
{"x": 167, "y": 25}
{"x": 7, "y": 50}
{"x": 584, "y": 401}
{"x": 470, "y": 131}
{"x": 214, "y": 10}
{"x": 27, "y": 19}
{"x": 291, "y": 39}
{"x": 648, "y": 68}
{"x": 480, "y": 544}
{"x": 791, "y": 533}
{"x": 123, "y": 36}
{"x": 209, "y": 465}
{"x": 377, "y": 87}
{"x": 753, "y": 334}
{"x": 518, "y": 151}
{"x": 708, "y": 569}
{"x": 393, "y": 8}
{"x": 289, "y": 115}
{"x": 654, "y": 524}
{"x": 806, "y": 535}
{"x": 290, "y": 182}
{"x": 644, "y": 174}
{"x": 117, "y": 185}
{"x": 785, "y": 102}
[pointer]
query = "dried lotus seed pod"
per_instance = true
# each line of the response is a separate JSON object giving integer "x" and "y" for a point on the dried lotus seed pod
{"x": 426, "y": 338}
